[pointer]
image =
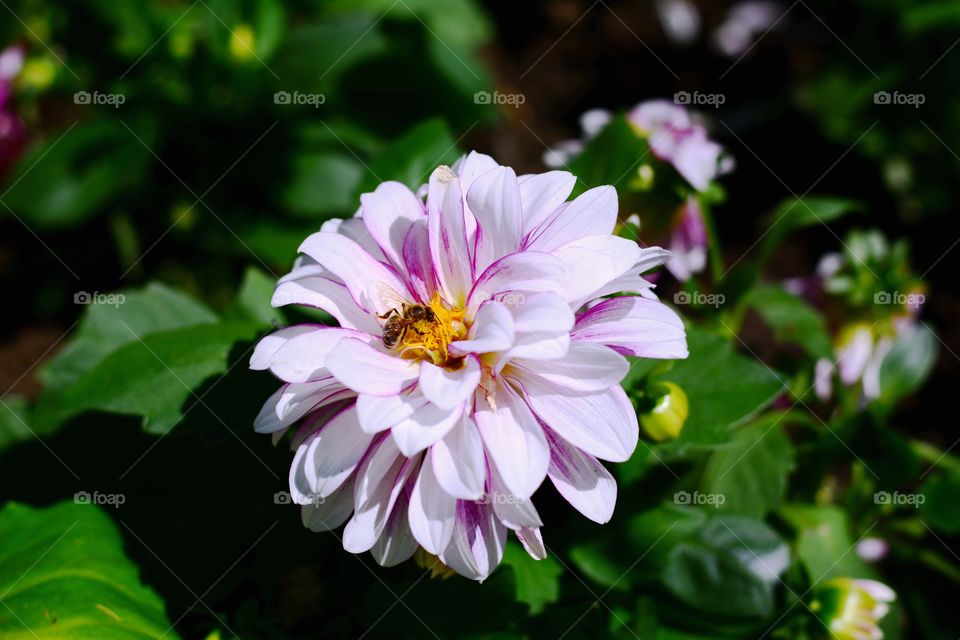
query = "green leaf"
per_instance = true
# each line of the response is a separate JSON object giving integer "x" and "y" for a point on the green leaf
{"x": 63, "y": 574}
{"x": 14, "y": 420}
{"x": 537, "y": 581}
{"x": 751, "y": 474}
{"x": 724, "y": 389}
{"x": 908, "y": 363}
{"x": 799, "y": 213}
{"x": 253, "y": 299}
{"x": 153, "y": 377}
{"x": 823, "y": 541}
{"x": 322, "y": 185}
{"x": 612, "y": 157}
{"x": 412, "y": 157}
{"x": 68, "y": 179}
{"x": 106, "y": 327}
{"x": 730, "y": 569}
{"x": 792, "y": 319}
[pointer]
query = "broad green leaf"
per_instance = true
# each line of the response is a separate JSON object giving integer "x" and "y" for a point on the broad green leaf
{"x": 153, "y": 377}
{"x": 751, "y": 473}
{"x": 908, "y": 363}
{"x": 792, "y": 319}
{"x": 537, "y": 581}
{"x": 798, "y": 213}
{"x": 14, "y": 420}
{"x": 413, "y": 156}
{"x": 322, "y": 185}
{"x": 823, "y": 541}
{"x": 106, "y": 327}
{"x": 723, "y": 387}
{"x": 730, "y": 569}
{"x": 72, "y": 177}
{"x": 63, "y": 574}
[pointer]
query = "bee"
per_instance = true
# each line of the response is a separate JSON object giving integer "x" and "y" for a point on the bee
{"x": 398, "y": 322}
{"x": 400, "y": 316}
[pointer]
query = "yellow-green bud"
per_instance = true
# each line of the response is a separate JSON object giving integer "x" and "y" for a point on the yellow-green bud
{"x": 241, "y": 42}
{"x": 665, "y": 420}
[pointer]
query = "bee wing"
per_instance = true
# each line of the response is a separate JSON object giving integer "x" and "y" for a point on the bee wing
{"x": 390, "y": 298}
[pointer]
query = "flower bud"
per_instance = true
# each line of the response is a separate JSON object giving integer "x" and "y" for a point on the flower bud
{"x": 665, "y": 420}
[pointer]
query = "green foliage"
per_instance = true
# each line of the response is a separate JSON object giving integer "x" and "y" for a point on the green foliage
{"x": 791, "y": 319}
{"x": 63, "y": 574}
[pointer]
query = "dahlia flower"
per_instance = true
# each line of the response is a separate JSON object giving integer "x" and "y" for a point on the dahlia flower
{"x": 852, "y": 608}
{"x": 478, "y": 354}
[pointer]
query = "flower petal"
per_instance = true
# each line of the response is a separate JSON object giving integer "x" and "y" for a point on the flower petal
{"x": 458, "y": 461}
{"x": 366, "y": 277}
{"x": 532, "y": 541}
{"x": 377, "y": 413}
{"x": 524, "y": 271}
{"x": 326, "y": 514}
{"x": 396, "y": 544}
{"x": 303, "y": 358}
{"x": 585, "y": 367}
{"x": 432, "y": 511}
{"x": 448, "y": 235}
{"x": 603, "y": 423}
{"x": 514, "y": 441}
{"x": 541, "y": 194}
{"x": 594, "y": 212}
{"x": 380, "y": 480}
{"x": 477, "y": 542}
{"x": 542, "y": 324}
{"x": 634, "y": 326}
{"x": 446, "y": 388}
{"x": 513, "y": 511}
{"x": 492, "y": 331}
{"x": 388, "y": 213}
{"x": 325, "y": 293}
{"x": 334, "y": 452}
{"x": 268, "y": 345}
{"x": 366, "y": 370}
{"x": 418, "y": 262}
{"x": 494, "y": 200}
{"x": 427, "y": 425}
{"x": 593, "y": 261}
{"x": 582, "y": 480}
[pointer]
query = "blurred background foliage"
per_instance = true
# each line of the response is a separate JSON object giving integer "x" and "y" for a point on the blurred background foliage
{"x": 245, "y": 124}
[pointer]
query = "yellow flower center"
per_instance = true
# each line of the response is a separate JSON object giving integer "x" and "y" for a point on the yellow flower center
{"x": 428, "y": 337}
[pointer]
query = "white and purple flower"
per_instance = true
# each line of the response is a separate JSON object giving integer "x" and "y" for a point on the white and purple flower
{"x": 501, "y": 366}
{"x": 13, "y": 133}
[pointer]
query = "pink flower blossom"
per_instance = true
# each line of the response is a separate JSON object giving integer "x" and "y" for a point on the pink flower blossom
{"x": 477, "y": 356}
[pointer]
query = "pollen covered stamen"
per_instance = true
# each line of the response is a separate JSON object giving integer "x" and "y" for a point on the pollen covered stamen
{"x": 428, "y": 337}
